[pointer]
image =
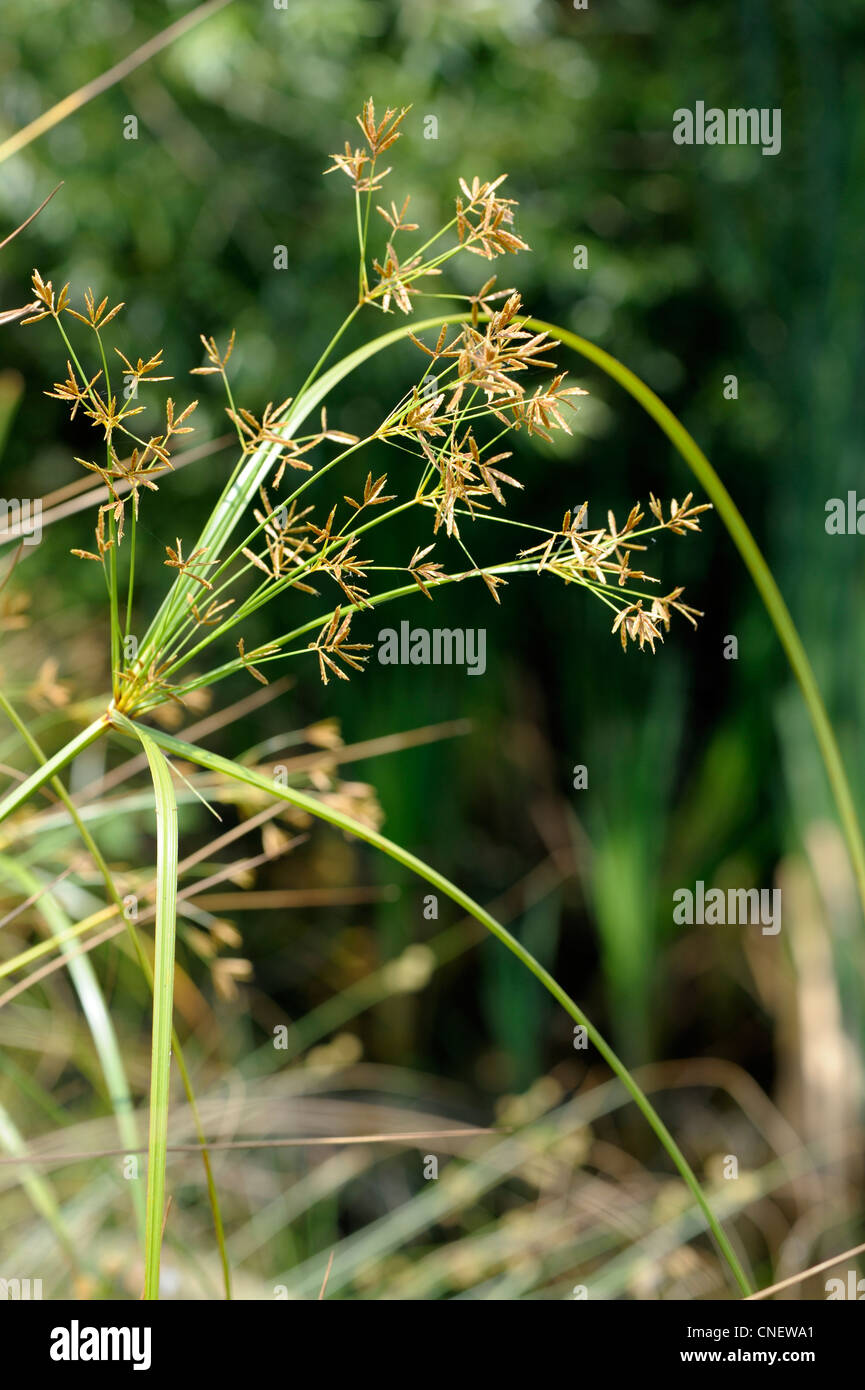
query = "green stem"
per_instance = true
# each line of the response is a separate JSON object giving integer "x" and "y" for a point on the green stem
{"x": 314, "y": 807}
{"x": 147, "y": 971}
{"x": 757, "y": 568}
{"x": 163, "y": 1007}
{"x": 80, "y": 967}
{"x": 24, "y": 790}
{"x": 133, "y": 530}
{"x": 113, "y": 587}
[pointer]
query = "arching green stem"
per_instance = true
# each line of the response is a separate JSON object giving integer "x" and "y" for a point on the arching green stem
{"x": 317, "y": 808}
{"x": 759, "y": 570}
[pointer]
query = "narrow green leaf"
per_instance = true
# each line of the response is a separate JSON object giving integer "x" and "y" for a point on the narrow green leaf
{"x": 163, "y": 1005}
{"x": 37, "y": 1187}
{"x": 317, "y": 808}
{"x": 759, "y": 570}
{"x": 77, "y": 819}
{"x": 22, "y": 793}
{"x": 93, "y": 1004}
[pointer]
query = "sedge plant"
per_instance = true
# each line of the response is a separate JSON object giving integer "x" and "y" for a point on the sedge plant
{"x": 284, "y": 530}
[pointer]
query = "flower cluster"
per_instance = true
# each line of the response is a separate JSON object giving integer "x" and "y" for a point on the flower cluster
{"x": 489, "y": 377}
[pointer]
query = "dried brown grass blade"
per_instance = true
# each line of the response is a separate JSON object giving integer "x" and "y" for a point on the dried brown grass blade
{"x": 78, "y": 496}
{"x": 805, "y": 1274}
{"x": 12, "y": 235}
{"x": 76, "y": 100}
